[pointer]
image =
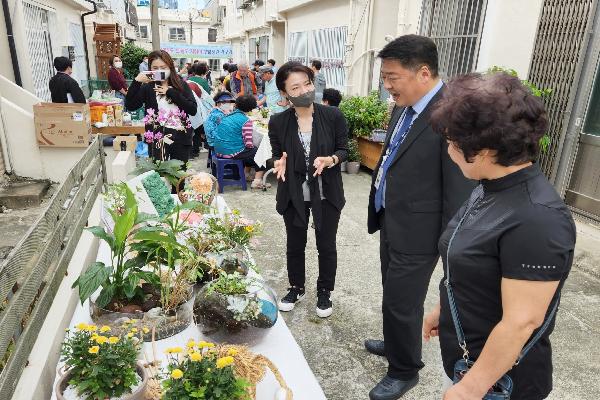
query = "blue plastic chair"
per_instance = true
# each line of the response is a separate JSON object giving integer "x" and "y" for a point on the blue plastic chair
{"x": 222, "y": 165}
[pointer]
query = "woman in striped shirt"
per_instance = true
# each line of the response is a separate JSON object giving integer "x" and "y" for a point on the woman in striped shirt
{"x": 233, "y": 137}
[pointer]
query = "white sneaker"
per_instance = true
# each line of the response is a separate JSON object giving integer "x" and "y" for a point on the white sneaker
{"x": 324, "y": 304}
{"x": 288, "y": 302}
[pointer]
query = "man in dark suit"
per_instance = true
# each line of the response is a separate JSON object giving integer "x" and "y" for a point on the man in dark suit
{"x": 416, "y": 189}
{"x": 63, "y": 88}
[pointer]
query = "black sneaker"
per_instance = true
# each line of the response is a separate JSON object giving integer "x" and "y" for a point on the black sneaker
{"x": 294, "y": 295}
{"x": 324, "y": 304}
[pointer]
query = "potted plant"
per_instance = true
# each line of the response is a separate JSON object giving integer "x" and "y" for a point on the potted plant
{"x": 170, "y": 170}
{"x": 141, "y": 283}
{"x": 235, "y": 304}
{"x": 201, "y": 373}
{"x": 168, "y": 305}
{"x": 119, "y": 281}
{"x": 354, "y": 157}
{"x": 364, "y": 113}
{"x": 100, "y": 365}
{"x": 162, "y": 125}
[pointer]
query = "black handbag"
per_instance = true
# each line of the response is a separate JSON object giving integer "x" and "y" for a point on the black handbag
{"x": 502, "y": 389}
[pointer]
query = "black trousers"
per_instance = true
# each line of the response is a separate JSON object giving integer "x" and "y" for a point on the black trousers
{"x": 326, "y": 246}
{"x": 405, "y": 279}
{"x": 198, "y": 139}
{"x": 247, "y": 155}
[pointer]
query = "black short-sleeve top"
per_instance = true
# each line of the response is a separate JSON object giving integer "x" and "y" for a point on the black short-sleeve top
{"x": 518, "y": 229}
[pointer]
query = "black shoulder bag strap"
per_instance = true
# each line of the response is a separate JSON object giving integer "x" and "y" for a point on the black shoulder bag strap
{"x": 476, "y": 195}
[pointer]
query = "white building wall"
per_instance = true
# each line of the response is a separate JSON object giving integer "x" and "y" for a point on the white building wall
{"x": 509, "y": 35}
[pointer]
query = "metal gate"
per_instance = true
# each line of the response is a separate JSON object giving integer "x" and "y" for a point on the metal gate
{"x": 578, "y": 174}
{"x": 40, "y": 48}
{"x": 560, "y": 44}
{"x": 455, "y": 26}
{"x": 79, "y": 67}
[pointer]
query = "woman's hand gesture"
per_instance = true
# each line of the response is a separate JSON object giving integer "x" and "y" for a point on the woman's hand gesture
{"x": 162, "y": 88}
{"x": 280, "y": 167}
{"x": 143, "y": 77}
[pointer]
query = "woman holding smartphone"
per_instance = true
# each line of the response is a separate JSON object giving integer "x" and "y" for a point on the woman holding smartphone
{"x": 163, "y": 91}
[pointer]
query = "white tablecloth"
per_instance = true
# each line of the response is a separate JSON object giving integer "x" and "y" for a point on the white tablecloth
{"x": 261, "y": 136}
{"x": 277, "y": 344}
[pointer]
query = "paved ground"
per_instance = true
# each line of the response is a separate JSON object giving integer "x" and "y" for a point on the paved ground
{"x": 333, "y": 347}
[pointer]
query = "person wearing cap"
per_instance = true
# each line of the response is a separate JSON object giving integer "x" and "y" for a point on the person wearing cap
{"x": 224, "y": 102}
{"x": 272, "y": 97}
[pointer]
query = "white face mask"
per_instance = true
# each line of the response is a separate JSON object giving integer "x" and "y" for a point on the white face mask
{"x": 226, "y": 107}
{"x": 118, "y": 64}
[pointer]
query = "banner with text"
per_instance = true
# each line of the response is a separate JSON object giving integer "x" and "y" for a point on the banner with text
{"x": 177, "y": 50}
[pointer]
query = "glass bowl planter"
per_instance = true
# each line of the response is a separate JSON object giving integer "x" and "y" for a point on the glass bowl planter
{"x": 236, "y": 318}
{"x": 164, "y": 324}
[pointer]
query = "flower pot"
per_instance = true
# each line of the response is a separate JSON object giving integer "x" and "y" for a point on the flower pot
{"x": 353, "y": 167}
{"x": 239, "y": 318}
{"x": 232, "y": 260}
{"x": 165, "y": 325}
{"x": 343, "y": 166}
{"x": 138, "y": 394}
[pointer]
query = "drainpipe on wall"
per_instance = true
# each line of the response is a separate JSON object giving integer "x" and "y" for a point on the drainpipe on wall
{"x": 4, "y": 142}
{"x": 85, "y": 44}
{"x": 11, "y": 43}
{"x": 369, "y": 29}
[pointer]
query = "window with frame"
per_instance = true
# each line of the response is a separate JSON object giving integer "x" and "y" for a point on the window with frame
{"x": 212, "y": 35}
{"x": 455, "y": 26}
{"x": 214, "y": 64}
{"x": 177, "y": 34}
{"x": 142, "y": 32}
{"x": 259, "y": 47}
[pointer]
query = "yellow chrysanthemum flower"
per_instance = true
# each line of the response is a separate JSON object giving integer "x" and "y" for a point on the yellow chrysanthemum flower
{"x": 191, "y": 344}
{"x": 177, "y": 374}
{"x": 101, "y": 339}
{"x": 94, "y": 349}
{"x": 232, "y": 352}
{"x": 134, "y": 330}
{"x": 105, "y": 329}
{"x": 113, "y": 340}
{"x": 177, "y": 350}
{"x": 82, "y": 326}
{"x": 145, "y": 330}
{"x": 195, "y": 356}
{"x": 130, "y": 335}
{"x": 224, "y": 362}
{"x": 92, "y": 328}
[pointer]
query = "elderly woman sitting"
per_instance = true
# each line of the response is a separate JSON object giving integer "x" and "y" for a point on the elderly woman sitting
{"x": 233, "y": 137}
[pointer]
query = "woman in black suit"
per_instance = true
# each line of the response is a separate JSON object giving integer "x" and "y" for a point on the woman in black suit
{"x": 168, "y": 95}
{"x": 309, "y": 142}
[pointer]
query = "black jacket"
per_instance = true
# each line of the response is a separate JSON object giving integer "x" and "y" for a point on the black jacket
{"x": 140, "y": 95}
{"x": 424, "y": 187}
{"x": 61, "y": 84}
{"x": 329, "y": 137}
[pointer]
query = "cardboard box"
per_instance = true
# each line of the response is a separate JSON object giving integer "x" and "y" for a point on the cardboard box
{"x": 131, "y": 142}
{"x": 62, "y": 125}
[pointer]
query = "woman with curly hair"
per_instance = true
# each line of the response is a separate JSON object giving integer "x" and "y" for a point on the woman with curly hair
{"x": 508, "y": 250}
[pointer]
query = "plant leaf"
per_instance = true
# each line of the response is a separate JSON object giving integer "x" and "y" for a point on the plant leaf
{"x": 131, "y": 283}
{"x": 99, "y": 232}
{"x": 91, "y": 279}
{"x": 105, "y": 296}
